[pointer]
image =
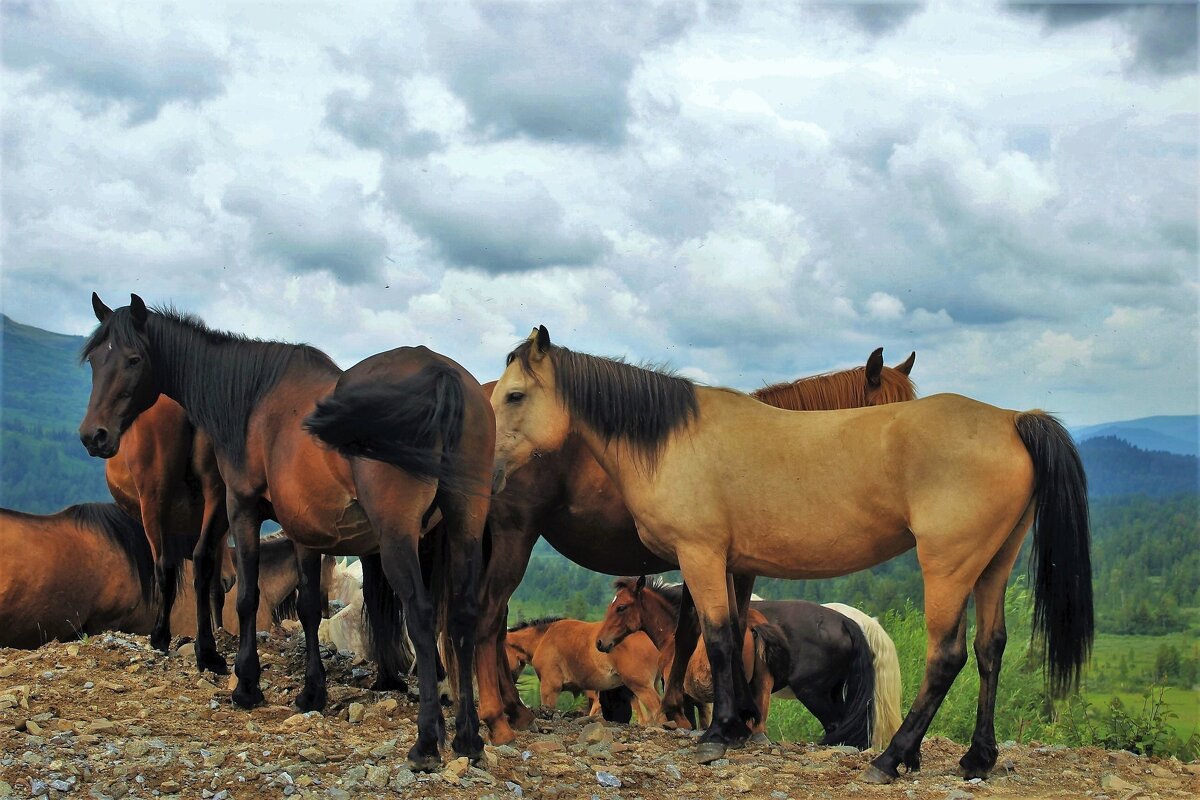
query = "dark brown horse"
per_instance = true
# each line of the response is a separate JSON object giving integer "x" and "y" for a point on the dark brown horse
{"x": 410, "y": 436}
{"x": 166, "y": 475}
{"x": 565, "y": 496}
{"x": 814, "y": 653}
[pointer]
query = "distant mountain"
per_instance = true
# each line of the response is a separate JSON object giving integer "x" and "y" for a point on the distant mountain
{"x": 1115, "y": 467}
{"x": 1179, "y": 434}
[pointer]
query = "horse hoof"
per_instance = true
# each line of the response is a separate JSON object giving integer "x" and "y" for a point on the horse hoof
{"x": 761, "y": 739}
{"x": 247, "y": 698}
{"x": 471, "y": 750}
{"x": 383, "y": 684}
{"x": 310, "y": 701}
{"x": 424, "y": 763}
{"x": 708, "y": 752}
{"x": 161, "y": 643}
{"x": 212, "y": 663}
{"x": 501, "y": 732}
{"x": 873, "y": 774}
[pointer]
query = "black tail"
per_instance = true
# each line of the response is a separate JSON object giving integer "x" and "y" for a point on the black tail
{"x": 854, "y": 728}
{"x": 400, "y": 423}
{"x": 385, "y": 626}
{"x": 1061, "y": 560}
{"x": 776, "y": 651}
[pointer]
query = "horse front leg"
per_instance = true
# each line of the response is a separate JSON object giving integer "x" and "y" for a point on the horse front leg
{"x": 206, "y": 580}
{"x": 500, "y": 706}
{"x": 308, "y": 606}
{"x": 687, "y": 636}
{"x": 732, "y": 704}
{"x": 165, "y": 574}
{"x": 244, "y": 521}
{"x": 384, "y": 627}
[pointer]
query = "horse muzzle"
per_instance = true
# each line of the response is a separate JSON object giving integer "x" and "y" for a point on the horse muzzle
{"x": 605, "y": 647}
{"x": 100, "y": 443}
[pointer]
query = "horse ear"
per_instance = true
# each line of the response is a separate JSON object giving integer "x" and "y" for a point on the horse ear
{"x": 541, "y": 342}
{"x": 103, "y": 312}
{"x": 641, "y": 584}
{"x": 907, "y": 365}
{"x": 137, "y": 308}
{"x": 875, "y": 367}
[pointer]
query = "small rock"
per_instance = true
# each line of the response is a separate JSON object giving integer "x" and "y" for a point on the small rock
{"x": 401, "y": 778}
{"x": 778, "y": 795}
{"x": 333, "y": 792}
{"x": 6, "y": 789}
{"x": 959, "y": 794}
{"x": 136, "y": 749}
{"x": 62, "y": 786}
{"x": 33, "y": 728}
{"x": 388, "y": 706}
{"x": 383, "y": 750}
{"x": 186, "y": 650}
{"x": 456, "y": 769}
{"x": 607, "y": 778}
{"x": 741, "y": 783}
{"x": 1116, "y": 783}
{"x": 356, "y": 712}
{"x": 169, "y": 787}
{"x": 1161, "y": 772}
{"x": 72, "y": 650}
{"x": 514, "y": 788}
{"x": 313, "y": 754}
{"x": 673, "y": 772}
{"x": 377, "y": 776}
{"x": 542, "y": 746}
{"x": 595, "y": 733}
{"x": 1192, "y": 769}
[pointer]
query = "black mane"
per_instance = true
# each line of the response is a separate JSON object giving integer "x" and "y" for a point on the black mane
{"x": 122, "y": 530}
{"x": 640, "y": 405}
{"x": 540, "y": 622}
{"x": 218, "y": 377}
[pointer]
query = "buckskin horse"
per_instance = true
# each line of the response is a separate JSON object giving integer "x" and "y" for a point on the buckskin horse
{"x": 719, "y": 482}
{"x": 166, "y": 475}
{"x": 350, "y": 463}
{"x": 566, "y": 496}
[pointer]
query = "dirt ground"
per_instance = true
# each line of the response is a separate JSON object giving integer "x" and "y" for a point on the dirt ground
{"x": 108, "y": 717}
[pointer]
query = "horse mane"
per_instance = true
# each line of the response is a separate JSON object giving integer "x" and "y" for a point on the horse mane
{"x": 539, "y": 623}
{"x": 123, "y": 531}
{"x": 835, "y": 390}
{"x": 241, "y": 370}
{"x": 671, "y": 592}
{"x": 640, "y": 405}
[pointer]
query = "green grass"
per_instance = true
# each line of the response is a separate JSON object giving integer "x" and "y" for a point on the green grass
{"x": 1183, "y": 703}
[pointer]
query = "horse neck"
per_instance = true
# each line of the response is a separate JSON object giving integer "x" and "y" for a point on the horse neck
{"x": 659, "y": 618}
{"x": 527, "y": 639}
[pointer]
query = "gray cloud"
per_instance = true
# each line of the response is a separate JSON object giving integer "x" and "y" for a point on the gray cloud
{"x": 308, "y": 233}
{"x": 1163, "y": 35}
{"x": 512, "y": 226}
{"x": 101, "y": 67}
{"x": 378, "y": 121}
{"x": 875, "y": 19}
{"x": 546, "y": 72}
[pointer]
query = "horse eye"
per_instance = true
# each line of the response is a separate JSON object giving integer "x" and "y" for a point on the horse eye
{"x": 134, "y": 360}
{"x": 515, "y": 397}
{"x": 621, "y": 609}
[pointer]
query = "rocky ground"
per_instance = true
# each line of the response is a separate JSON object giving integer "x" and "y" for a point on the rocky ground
{"x": 107, "y": 717}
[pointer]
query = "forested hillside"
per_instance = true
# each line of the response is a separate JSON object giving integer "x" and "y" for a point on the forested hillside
{"x": 43, "y": 394}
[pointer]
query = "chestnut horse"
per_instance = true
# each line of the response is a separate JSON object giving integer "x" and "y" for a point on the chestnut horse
{"x": 166, "y": 475}
{"x": 812, "y": 653}
{"x": 409, "y": 434}
{"x": 719, "y": 482}
{"x": 101, "y": 553}
{"x": 563, "y": 654}
{"x": 566, "y": 497}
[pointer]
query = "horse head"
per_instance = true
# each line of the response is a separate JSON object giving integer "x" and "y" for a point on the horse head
{"x": 624, "y": 615}
{"x": 123, "y": 383}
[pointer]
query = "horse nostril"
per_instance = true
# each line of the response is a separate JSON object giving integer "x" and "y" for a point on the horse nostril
{"x": 600, "y": 645}
{"x": 100, "y": 437}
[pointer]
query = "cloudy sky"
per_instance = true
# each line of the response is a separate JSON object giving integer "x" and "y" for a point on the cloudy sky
{"x": 748, "y": 192}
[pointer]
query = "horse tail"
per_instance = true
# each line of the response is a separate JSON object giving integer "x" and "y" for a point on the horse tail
{"x": 772, "y": 645}
{"x": 399, "y": 422}
{"x": 854, "y": 726}
{"x": 885, "y": 704}
{"x": 1060, "y": 560}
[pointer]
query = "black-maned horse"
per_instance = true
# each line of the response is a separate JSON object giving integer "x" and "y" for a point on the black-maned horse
{"x": 410, "y": 436}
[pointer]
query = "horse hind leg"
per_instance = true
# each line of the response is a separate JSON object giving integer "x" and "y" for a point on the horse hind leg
{"x": 464, "y": 516}
{"x": 990, "y": 639}
{"x": 209, "y": 594}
